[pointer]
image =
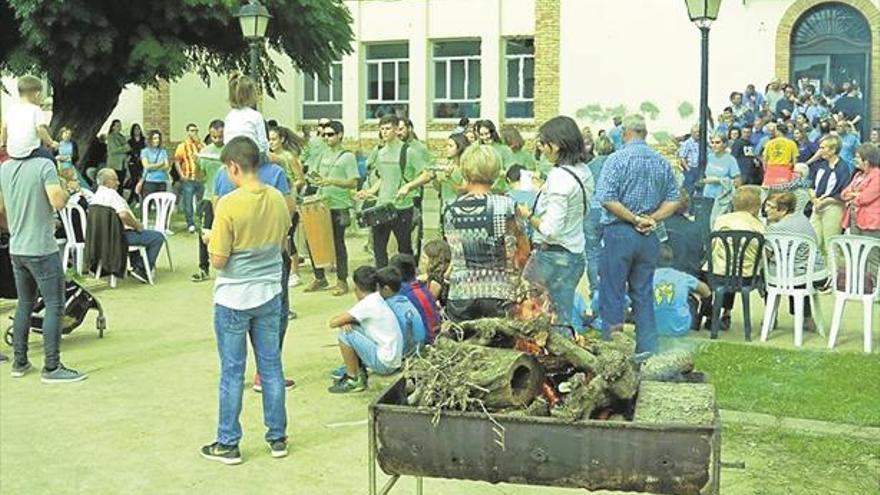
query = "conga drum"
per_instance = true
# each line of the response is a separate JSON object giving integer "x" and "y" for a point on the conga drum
{"x": 318, "y": 229}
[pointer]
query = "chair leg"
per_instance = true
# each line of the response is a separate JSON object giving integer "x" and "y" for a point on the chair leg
{"x": 146, "y": 261}
{"x": 798, "y": 321}
{"x": 80, "y": 251}
{"x": 112, "y": 281}
{"x": 65, "y": 257}
{"x": 98, "y": 271}
{"x": 818, "y": 317}
{"x": 168, "y": 253}
{"x": 717, "y": 301}
{"x": 747, "y": 313}
{"x": 839, "y": 305}
{"x": 868, "y": 305}
{"x": 769, "y": 313}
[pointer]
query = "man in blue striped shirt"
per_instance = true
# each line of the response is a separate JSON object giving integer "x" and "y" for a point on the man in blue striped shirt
{"x": 637, "y": 190}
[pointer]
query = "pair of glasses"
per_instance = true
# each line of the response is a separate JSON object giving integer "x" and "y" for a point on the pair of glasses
{"x": 717, "y": 142}
{"x": 192, "y": 130}
{"x": 329, "y": 134}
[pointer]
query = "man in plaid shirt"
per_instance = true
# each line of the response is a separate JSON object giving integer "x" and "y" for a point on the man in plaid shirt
{"x": 187, "y": 162}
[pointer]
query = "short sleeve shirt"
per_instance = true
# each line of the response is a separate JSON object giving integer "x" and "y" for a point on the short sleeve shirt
{"x": 781, "y": 151}
{"x": 249, "y": 227}
{"x": 338, "y": 165}
{"x": 388, "y": 167}
{"x": 30, "y": 215}
{"x": 381, "y": 326}
{"x": 153, "y": 156}
{"x": 105, "y": 196}
{"x": 268, "y": 173}
{"x": 671, "y": 290}
{"x": 410, "y": 321}
{"x": 209, "y": 162}
{"x": 476, "y": 230}
{"x": 22, "y": 121}
{"x": 722, "y": 167}
{"x": 186, "y": 155}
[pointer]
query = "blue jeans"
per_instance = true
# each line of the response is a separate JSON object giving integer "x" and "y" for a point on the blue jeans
{"x": 232, "y": 328}
{"x": 628, "y": 263}
{"x": 150, "y": 239}
{"x": 191, "y": 189}
{"x": 365, "y": 348}
{"x": 557, "y": 272}
{"x": 43, "y": 273}
{"x": 593, "y": 238}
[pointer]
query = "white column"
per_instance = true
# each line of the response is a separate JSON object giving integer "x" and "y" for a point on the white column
{"x": 351, "y": 87}
{"x": 490, "y": 48}
{"x": 419, "y": 99}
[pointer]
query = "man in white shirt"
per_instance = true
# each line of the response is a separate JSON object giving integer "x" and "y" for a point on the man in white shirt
{"x": 369, "y": 335}
{"x": 135, "y": 234}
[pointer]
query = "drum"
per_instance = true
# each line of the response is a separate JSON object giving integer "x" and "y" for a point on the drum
{"x": 318, "y": 229}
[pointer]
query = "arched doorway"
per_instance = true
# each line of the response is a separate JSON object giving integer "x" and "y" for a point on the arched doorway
{"x": 831, "y": 43}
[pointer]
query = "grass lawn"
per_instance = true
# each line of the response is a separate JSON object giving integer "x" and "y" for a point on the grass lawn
{"x": 841, "y": 387}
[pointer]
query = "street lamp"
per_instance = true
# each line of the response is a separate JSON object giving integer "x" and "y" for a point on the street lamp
{"x": 253, "y": 18}
{"x": 702, "y": 13}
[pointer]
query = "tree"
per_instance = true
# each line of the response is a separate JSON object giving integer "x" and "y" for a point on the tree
{"x": 91, "y": 49}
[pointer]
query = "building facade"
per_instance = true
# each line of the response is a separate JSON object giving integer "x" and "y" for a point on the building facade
{"x": 523, "y": 61}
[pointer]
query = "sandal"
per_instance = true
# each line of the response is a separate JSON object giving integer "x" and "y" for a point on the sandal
{"x": 341, "y": 289}
{"x": 201, "y": 276}
{"x": 318, "y": 284}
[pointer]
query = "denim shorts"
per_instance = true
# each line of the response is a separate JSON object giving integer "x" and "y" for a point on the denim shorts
{"x": 366, "y": 349}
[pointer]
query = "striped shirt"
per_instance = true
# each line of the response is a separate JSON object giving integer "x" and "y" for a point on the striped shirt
{"x": 186, "y": 157}
{"x": 639, "y": 178}
{"x": 795, "y": 224}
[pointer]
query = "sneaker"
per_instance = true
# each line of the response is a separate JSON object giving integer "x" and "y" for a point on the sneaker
{"x": 191, "y": 229}
{"x": 227, "y": 454}
{"x": 317, "y": 285}
{"x": 348, "y": 385}
{"x": 294, "y": 280}
{"x": 338, "y": 373}
{"x": 292, "y": 315}
{"x": 62, "y": 374}
{"x": 139, "y": 274}
{"x": 289, "y": 384}
{"x": 341, "y": 289}
{"x": 201, "y": 276}
{"x": 278, "y": 448}
{"x": 19, "y": 369}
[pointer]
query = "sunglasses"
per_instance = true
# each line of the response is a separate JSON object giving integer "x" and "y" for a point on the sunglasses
{"x": 329, "y": 134}
{"x": 717, "y": 142}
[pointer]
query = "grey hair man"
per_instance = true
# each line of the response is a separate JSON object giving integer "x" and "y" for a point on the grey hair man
{"x": 638, "y": 190}
{"x": 135, "y": 234}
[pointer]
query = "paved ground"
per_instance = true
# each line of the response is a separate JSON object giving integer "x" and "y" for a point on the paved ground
{"x": 136, "y": 424}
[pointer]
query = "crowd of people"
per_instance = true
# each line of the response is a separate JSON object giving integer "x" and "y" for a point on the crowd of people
{"x": 514, "y": 226}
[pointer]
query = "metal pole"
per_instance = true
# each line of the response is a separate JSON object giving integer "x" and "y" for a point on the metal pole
{"x": 704, "y": 98}
{"x": 255, "y": 59}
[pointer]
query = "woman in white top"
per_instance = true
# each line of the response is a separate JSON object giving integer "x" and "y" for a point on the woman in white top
{"x": 557, "y": 260}
{"x": 243, "y": 120}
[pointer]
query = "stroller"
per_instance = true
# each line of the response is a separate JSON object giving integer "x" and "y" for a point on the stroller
{"x": 77, "y": 303}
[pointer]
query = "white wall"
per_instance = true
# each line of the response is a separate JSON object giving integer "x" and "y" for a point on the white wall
{"x": 610, "y": 55}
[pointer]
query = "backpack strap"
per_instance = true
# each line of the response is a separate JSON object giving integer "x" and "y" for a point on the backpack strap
{"x": 581, "y": 184}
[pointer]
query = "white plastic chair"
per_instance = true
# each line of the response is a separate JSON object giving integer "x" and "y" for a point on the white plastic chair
{"x": 163, "y": 203}
{"x": 782, "y": 279}
{"x": 856, "y": 251}
{"x": 71, "y": 245}
{"x": 131, "y": 249}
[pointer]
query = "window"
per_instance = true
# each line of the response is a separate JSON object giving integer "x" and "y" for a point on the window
{"x": 322, "y": 100}
{"x": 519, "y": 102}
{"x": 456, "y": 79}
{"x": 387, "y": 80}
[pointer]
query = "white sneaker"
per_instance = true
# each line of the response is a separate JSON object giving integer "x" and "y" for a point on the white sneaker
{"x": 294, "y": 280}
{"x": 191, "y": 229}
{"x": 169, "y": 233}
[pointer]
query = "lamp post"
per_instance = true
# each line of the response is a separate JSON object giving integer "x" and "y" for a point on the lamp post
{"x": 702, "y": 13}
{"x": 254, "y": 18}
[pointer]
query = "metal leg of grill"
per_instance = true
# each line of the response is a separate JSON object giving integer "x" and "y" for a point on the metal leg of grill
{"x": 389, "y": 485}
{"x": 371, "y": 456}
{"x": 419, "y": 485}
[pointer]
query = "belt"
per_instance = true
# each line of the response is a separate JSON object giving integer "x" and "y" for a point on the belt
{"x": 552, "y": 247}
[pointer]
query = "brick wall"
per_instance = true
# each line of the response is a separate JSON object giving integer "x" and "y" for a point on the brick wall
{"x": 157, "y": 109}
{"x": 546, "y": 59}
{"x": 797, "y": 9}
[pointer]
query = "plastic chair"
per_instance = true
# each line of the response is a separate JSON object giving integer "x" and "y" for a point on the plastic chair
{"x": 783, "y": 279}
{"x": 72, "y": 247}
{"x": 856, "y": 252}
{"x": 163, "y": 203}
{"x": 131, "y": 249}
{"x": 734, "y": 280}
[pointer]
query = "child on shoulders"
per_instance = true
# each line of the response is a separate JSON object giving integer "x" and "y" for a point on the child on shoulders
{"x": 24, "y": 127}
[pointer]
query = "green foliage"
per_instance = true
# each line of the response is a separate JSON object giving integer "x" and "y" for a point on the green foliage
{"x": 685, "y": 109}
{"x": 649, "y": 109}
{"x": 597, "y": 113}
{"x": 664, "y": 138}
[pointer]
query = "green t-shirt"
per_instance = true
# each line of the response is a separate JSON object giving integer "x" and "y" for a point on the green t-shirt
{"x": 30, "y": 215}
{"x": 311, "y": 156}
{"x": 209, "y": 163}
{"x": 448, "y": 181}
{"x": 506, "y": 155}
{"x": 524, "y": 158}
{"x": 338, "y": 164}
{"x": 388, "y": 168}
{"x": 418, "y": 154}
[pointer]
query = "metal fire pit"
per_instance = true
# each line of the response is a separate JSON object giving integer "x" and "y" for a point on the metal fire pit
{"x": 680, "y": 459}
